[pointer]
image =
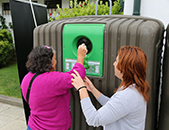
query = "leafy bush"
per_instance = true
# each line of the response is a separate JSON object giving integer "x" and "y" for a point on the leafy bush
{"x": 6, "y": 47}
{"x": 86, "y": 8}
{"x": 3, "y": 23}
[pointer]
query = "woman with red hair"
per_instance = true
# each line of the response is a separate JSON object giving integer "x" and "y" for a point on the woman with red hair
{"x": 126, "y": 109}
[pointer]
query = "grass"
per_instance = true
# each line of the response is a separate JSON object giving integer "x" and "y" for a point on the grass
{"x": 9, "y": 81}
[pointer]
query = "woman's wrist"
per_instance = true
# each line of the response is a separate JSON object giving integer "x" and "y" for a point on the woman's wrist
{"x": 80, "y": 60}
{"x": 96, "y": 92}
{"x": 83, "y": 93}
{"x": 81, "y": 87}
{"x": 93, "y": 89}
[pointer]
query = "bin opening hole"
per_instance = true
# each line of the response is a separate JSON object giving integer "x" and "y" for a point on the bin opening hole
{"x": 87, "y": 42}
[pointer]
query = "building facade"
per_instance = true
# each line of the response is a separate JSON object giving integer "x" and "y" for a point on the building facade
{"x": 150, "y": 8}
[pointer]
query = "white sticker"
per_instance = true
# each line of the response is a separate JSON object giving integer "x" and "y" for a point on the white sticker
{"x": 97, "y": 69}
{"x": 67, "y": 66}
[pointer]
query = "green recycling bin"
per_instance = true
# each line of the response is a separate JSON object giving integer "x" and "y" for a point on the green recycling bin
{"x": 90, "y": 34}
{"x": 103, "y": 36}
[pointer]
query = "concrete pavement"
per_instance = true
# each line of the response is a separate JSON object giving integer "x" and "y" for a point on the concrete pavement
{"x": 12, "y": 115}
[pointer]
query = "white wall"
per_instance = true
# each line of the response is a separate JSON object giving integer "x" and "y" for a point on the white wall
{"x": 128, "y": 7}
{"x": 158, "y": 9}
{"x": 65, "y": 3}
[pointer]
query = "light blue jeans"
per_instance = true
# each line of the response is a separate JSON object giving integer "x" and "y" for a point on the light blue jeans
{"x": 28, "y": 128}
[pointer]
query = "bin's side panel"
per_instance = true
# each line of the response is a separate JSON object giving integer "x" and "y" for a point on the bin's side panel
{"x": 152, "y": 48}
{"x": 164, "y": 113}
{"x": 146, "y": 34}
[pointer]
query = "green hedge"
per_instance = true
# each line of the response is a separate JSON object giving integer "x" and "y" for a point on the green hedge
{"x": 86, "y": 8}
{"x": 6, "y": 47}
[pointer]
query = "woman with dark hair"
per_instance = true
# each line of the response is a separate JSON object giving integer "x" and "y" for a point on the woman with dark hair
{"x": 126, "y": 109}
{"x": 47, "y": 90}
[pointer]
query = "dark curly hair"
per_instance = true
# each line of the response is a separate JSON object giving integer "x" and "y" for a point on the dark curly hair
{"x": 40, "y": 59}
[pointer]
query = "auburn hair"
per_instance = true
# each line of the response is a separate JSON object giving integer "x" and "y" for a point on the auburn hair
{"x": 133, "y": 64}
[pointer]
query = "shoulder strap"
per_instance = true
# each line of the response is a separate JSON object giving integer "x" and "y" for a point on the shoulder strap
{"x": 29, "y": 88}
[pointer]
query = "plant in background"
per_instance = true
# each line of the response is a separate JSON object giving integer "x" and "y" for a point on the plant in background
{"x": 86, "y": 8}
{"x": 51, "y": 17}
{"x": 10, "y": 25}
{"x": 6, "y": 47}
{"x": 6, "y": 43}
{"x": 3, "y": 23}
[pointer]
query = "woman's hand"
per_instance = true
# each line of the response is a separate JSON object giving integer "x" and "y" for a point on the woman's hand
{"x": 82, "y": 50}
{"x": 92, "y": 88}
{"x": 77, "y": 81}
{"x": 89, "y": 84}
{"x": 81, "y": 53}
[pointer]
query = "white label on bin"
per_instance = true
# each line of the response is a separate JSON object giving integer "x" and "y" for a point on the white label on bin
{"x": 97, "y": 69}
{"x": 67, "y": 66}
{"x": 94, "y": 66}
{"x": 69, "y": 63}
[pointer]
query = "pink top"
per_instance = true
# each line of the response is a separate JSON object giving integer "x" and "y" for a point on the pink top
{"x": 49, "y": 99}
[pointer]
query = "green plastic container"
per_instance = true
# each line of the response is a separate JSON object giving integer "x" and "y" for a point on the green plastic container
{"x": 90, "y": 34}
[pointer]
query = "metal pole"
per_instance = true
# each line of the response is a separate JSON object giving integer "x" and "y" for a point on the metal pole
{"x": 110, "y": 2}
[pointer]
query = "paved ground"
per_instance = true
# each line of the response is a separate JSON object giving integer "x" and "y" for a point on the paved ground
{"x": 12, "y": 115}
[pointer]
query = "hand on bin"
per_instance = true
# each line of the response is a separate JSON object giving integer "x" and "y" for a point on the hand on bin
{"x": 89, "y": 84}
{"x": 81, "y": 53}
{"x": 82, "y": 50}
